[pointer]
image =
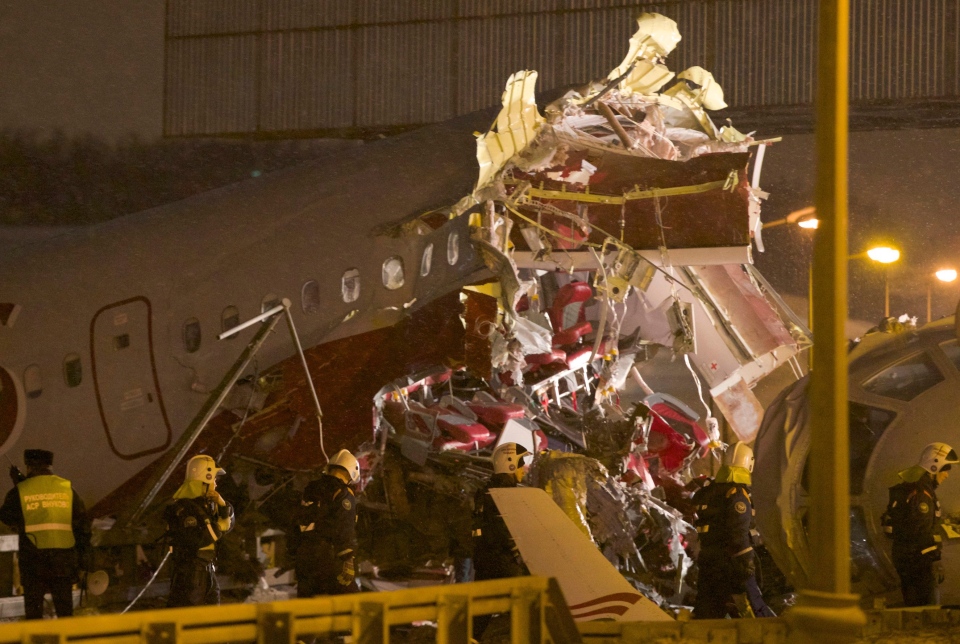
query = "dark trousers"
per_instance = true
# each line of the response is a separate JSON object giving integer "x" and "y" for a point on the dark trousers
{"x": 716, "y": 587}
{"x": 317, "y": 568}
{"x": 48, "y": 571}
{"x": 193, "y": 582}
{"x": 37, "y": 583}
{"x": 917, "y": 581}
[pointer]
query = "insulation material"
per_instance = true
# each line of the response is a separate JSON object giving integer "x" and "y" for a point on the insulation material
{"x": 517, "y": 125}
{"x": 740, "y": 407}
{"x": 564, "y": 477}
{"x": 655, "y": 38}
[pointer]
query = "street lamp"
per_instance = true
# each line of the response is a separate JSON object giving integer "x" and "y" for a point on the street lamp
{"x": 805, "y": 218}
{"x": 945, "y": 275}
{"x": 882, "y": 255}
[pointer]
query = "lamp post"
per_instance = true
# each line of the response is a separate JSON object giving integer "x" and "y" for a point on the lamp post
{"x": 881, "y": 255}
{"x": 945, "y": 275}
{"x": 805, "y": 218}
{"x": 885, "y": 255}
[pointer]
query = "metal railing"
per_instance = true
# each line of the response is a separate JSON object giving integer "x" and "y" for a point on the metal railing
{"x": 536, "y": 608}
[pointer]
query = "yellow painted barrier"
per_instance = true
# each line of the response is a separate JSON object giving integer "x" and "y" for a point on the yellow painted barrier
{"x": 538, "y": 613}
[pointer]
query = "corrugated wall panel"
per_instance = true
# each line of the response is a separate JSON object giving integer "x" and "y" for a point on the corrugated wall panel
{"x": 490, "y": 49}
{"x": 306, "y": 14}
{"x": 407, "y": 62}
{"x": 469, "y": 8}
{"x": 195, "y": 17}
{"x": 379, "y": 11}
{"x": 311, "y": 84}
{"x": 213, "y": 86}
{"x": 586, "y": 52}
{"x": 405, "y": 74}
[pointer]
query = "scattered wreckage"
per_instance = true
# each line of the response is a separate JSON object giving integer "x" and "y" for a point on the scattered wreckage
{"x": 615, "y": 224}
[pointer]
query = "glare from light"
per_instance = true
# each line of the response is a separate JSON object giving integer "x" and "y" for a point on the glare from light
{"x": 811, "y": 223}
{"x": 946, "y": 274}
{"x": 884, "y": 254}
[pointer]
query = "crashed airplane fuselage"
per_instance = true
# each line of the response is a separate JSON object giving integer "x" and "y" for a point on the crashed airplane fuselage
{"x": 616, "y": 218}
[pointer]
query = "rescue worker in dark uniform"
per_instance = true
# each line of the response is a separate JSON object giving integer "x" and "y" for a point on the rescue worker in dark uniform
{"x": 912, "y": 520}
{"x": 495, "y": 555}
{"x": 196, "y": 520}
{"x": 54, "y": 533}
{"x": 727, "y": 584}
{"x": 323, "y": 539}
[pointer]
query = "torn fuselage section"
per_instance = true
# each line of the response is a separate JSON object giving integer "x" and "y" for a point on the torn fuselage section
{"x": 616, "y": 224}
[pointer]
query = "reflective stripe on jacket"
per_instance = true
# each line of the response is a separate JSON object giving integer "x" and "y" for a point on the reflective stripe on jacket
{"x": 47, "y": 503}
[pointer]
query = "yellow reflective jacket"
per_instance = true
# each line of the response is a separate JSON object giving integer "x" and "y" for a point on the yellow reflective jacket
{"x": 47, "y": 503}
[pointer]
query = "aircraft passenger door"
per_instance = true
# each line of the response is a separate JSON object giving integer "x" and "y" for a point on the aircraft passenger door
{"x": 125, "y": 379}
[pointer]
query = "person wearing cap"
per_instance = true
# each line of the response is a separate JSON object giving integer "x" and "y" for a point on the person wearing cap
{"x": 322, "y": 541}
{"x": 727, "y": 582}
{"x": 196, "y": 520}
{"x": 912, "y": 521}
{"x": 54, "y": 533}
{"x": 495, "y": 555}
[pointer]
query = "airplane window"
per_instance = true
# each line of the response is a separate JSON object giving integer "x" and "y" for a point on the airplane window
{"x": 952, "y": 349}
{"x": 393, "y": 273}
{"x": 867, "y": 425}
{"x": 191, "y": 335}
{"x": 72, "y": 370}
{"x": 350, "y": 285}
{"x": 310, "y": 297}
{"x": 32, "y": 383}
{"x": 121, "y": 341}
{"x": 453, "y": 248}
{"x": 905, "y": 380}
{"x": 229, "y": 319}
{"x": 270, "y": 301}
{"x": 426, "y": 260}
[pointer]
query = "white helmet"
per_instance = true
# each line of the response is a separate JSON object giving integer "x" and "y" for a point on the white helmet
{"x": 508, "y": 458}
{"x": 347, "y": 461}
{"x": 203, "y": 468}
{"x": 935, "y": 456}
{"x": 740, "y": 456}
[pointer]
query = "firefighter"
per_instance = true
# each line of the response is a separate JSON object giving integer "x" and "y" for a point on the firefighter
{"x": 196, "y": 521}
{"x": 323, "y": 539}
{"x": 727, "y": 584}
{"x": 54, "y": 533}
{"x": 912, "y": 520}
{"x": 495, "y": 554}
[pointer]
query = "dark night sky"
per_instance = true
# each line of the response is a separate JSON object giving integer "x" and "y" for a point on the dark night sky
{"x": 96, "y": 66}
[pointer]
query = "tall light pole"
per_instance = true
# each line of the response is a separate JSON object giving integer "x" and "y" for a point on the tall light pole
{"x": 885, "y": 255}
{"x": 945, "y": 275}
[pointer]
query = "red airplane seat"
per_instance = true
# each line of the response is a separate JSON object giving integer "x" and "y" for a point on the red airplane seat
{"x": 572, "y": 294}
{"x": 459, "y": 432}
{"x": 668, "y": 445}
{"x": 457, "y": 406}
{"x": 540, "y": 359}
{"x": 579, "y": 358}
{"x": 496, "y": 413}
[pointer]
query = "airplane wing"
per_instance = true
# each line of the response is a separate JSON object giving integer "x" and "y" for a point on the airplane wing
{"x": 552, "y": 546}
